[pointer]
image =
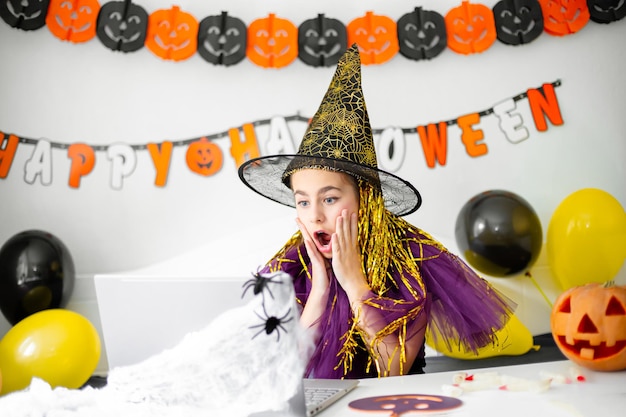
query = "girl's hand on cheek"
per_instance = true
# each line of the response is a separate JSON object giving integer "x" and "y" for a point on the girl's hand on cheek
{"x": 346, "y": 255}
{"x": 318, "y": 262}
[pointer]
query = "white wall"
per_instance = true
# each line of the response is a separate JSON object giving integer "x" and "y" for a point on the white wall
{"x": 72, "y": 93}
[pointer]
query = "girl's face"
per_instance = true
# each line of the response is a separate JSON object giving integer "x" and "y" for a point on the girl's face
{"x": 320, "y": 197}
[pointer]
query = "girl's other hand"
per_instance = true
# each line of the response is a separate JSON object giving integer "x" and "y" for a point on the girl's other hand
{"x": 318, "y": 262}
{"x": 347, "y": 257}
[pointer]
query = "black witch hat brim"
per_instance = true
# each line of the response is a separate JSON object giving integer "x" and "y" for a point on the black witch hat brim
{"x": 268, "y": 176}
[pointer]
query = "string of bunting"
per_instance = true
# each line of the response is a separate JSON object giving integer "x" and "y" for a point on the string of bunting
{"x": 205, "y": 157}
{"x": 275, "y": 42}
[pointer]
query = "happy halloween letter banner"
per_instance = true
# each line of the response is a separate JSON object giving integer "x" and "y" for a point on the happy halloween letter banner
{"x": 275, "y": 42}
{"x": 205, "y": 157}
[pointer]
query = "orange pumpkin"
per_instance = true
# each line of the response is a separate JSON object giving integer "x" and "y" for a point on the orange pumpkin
{"x": 588, "y": 324}
{"x": 564, "y": 17}
{"x": 470, "y": 28}
{"x": 272, "y": 42}
{"x": 74, "y": 20}
{"x": 172, "y": 34}
{"x": 204, "y": 157}
{"x": 376, "y": 36}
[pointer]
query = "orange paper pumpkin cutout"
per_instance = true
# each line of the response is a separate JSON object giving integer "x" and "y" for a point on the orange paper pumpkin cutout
{"x": 564, "y": 17}
{"x": 272, "y": 42}
{"x": 73, "y": 20}
{"x": 471, "y": 28}
{"x": 204, "y": 157}
{"x": 172, "y": 34}
{"x": 376, "y": 36}
{"x": 588, "y": 324}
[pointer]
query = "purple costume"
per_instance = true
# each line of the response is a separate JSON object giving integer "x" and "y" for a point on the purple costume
{"x": 448, "y": 296}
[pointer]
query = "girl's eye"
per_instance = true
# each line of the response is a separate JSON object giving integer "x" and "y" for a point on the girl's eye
{"x": 302, "y": 203}
{"x": 330, "y": 200}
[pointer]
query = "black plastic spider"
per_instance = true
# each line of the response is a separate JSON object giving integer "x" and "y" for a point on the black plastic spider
{"x": 271, "y": 323}
{"x": 258, "y": 284}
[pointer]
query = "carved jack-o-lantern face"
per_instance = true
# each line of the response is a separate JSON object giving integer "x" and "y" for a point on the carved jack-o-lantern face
{"x": 376, "y": 36}
{"x": 471, "y": 28}
{"x": 321, "y": 41}
{"x": 172, "y": 34}
{"x": 588, "y": 324}
{"x": 564, "y": 17}
{"x": 606, "y": 11}
{"x": 222, "y": 39}
{"x": 518, "y": 21}
{"x": 73, "y": 20}
{"x": 24, "y": 14}
{"x": 204, "y": 157}
{"x": 422, "y": 34}
{"x": 122, "y": 26}
{"x": 272, "y": 42}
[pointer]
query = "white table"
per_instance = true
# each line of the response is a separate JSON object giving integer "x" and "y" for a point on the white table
{"x": 601, "y": 394}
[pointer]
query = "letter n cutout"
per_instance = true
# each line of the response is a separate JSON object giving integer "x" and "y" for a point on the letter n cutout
{"x": 544, "y": 104}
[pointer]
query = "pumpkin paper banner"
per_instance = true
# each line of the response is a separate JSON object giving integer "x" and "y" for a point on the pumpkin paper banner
{"x": 205, "y": 157}
{"x": 275, "y": 42}
{"x": 122, "y": 26}
{"x": 73, "y": 21}
{"x": 272, "y": 42}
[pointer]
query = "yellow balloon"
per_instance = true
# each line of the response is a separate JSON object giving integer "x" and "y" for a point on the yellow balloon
{"x": 58, "y": 346}
{"x": 512, "y": 340}
{"x": 586, "y": 240}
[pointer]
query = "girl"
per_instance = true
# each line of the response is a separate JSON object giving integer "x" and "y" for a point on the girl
{"x": 369, "y": 283}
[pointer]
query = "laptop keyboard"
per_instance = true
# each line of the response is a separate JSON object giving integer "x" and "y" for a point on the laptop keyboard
{"x": 316, "y": 395}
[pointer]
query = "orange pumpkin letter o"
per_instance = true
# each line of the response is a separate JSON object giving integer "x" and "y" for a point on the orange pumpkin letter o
{"x": 204, "y": 157}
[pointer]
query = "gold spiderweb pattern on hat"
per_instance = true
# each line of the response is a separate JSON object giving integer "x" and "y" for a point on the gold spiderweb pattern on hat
{"x": 341, "y": 129}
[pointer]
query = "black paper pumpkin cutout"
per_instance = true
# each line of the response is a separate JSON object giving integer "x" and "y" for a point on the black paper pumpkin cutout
{"x": 422, "y": 34}
{"x": 518, "y": 21}
{"x": 222, "y": 39}
{"x": 321, "y": 41}
{"x": 606, "y": 11}
{"x": 24, "y": 14}
{"x": 122, "y": 26}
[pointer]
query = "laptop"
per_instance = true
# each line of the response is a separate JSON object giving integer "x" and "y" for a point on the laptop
{"x": 143, "y": 315}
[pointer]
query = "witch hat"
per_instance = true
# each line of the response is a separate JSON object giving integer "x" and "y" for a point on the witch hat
{"x": 339, "y": 138}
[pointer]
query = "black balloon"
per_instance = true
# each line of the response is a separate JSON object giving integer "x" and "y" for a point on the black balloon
{"x": 499, "y": 233}
{"x": 36, "y": 273}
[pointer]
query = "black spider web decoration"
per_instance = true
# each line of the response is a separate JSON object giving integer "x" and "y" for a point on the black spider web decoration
{"x": 269, "y": 323}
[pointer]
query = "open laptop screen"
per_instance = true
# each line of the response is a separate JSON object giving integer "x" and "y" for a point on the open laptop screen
{"x": 143, "y": 315}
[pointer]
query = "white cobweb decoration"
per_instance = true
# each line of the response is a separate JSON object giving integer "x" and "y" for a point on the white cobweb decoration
{"x": 248, "y": 360}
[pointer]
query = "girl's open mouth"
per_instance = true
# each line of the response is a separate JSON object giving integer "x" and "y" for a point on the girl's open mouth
{"x": 323, "y": 239}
